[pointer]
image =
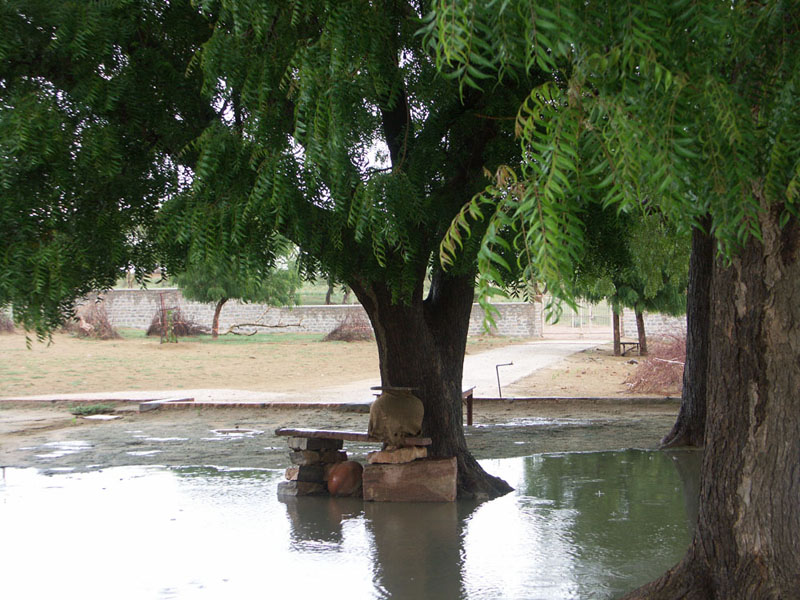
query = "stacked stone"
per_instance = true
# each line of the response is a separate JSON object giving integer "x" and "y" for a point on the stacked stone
{"x": 397, "y": 456}
{"x": 311, "y": 459}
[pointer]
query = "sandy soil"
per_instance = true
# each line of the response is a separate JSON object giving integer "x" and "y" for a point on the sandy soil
{"x": 268, "y": 363}
{"x": 591, "y": 373}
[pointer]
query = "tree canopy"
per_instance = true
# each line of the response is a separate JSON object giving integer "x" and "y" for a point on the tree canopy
{"x": 134, "y": 130}
{"x": 223, "y": 280}
{"x": 96, "y": 110}
{"x": 185, "y": 132}
{"x": 688, "y": 107}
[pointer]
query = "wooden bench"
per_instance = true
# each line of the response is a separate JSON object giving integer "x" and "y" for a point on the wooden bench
{"x": 633, "y": 345}
{"x": 316, "y": 450}
{"x": 466, "y": 397}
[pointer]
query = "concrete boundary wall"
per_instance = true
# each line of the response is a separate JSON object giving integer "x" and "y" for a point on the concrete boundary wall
{"x": 136, "y": 308}
{"x": 655, "y": 324}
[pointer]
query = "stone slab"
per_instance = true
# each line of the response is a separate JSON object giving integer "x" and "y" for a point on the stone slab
{"x": 301, "y": 488}
{"x": 398, "y": 455}
{"x": 156, "y": 404}
{"x": 428, "y": 480}
{"x": 309, "y": 473}
{"x": 301, "y": 443}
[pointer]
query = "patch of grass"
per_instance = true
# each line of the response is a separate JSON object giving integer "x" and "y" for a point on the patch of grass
{"x": 85, "y": 410}
{"x": 260, "y": 338}
{"x": 129, "y": 333}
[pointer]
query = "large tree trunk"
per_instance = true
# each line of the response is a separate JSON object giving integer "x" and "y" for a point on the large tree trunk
{"x": 747, "y": 541}
{"x": 421, "y": 345}
{"x": 215, "y": 321}
{"x": 615, "y": 321}
{"x": 689, "y": 428}
{"x": 640, "y": 331}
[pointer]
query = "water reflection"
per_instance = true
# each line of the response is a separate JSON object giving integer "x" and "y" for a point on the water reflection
{"x": 589, "y": 525}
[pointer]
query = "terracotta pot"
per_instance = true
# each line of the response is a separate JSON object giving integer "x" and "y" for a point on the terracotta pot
{"x": 344, "y": 478}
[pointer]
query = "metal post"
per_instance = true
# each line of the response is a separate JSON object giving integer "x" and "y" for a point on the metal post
{"x": 497, "y": 370}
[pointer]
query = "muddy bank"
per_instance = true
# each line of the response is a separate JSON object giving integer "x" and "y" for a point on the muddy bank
{"x": 49, "y": 437}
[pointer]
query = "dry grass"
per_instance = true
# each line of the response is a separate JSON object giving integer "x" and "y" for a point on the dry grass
{"x": 662, "y": 370}
{"x": 182, "y": 325}
{"x": 352, "y": 329}
{"x": 91, "y": 321}
{"x": 269, "y": 362}
{"x": 6, "y": 324}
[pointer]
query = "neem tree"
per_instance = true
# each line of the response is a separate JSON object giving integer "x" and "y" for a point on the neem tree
{"x": 96, "y": 111}
{"x": 208, "y": 127}
{"x": 637, "y": 261}
{"x": 223, "y": 280}
{"x": 691, "y": 107}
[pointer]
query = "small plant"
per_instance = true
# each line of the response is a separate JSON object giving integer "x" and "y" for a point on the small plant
{"x": 351, "y": 329}
{"x": 85, "y": 410}
{"x": 6, "y": 324}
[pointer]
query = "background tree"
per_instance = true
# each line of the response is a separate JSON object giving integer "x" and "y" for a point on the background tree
{"x": 222, "y": 281}
{"x": 635, "y": 261}
{"x": 132, "y": 130}
{"x": 690, "y": 106}
{"x": 689, "y": 428}
{"x": 96, "y": 111}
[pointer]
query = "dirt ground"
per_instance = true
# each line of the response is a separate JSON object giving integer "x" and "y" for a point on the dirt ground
{"x": 268, "y": 363}
{"x": 47, "y": 436}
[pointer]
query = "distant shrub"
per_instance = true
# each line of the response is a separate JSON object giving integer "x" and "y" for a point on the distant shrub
{"x": 662, "y": 370}
{"x": 354, "y": 328}
{"x": 91, "y": 321}
{"x": 6, "y": 324}
{"x": 177, "y": 324}
{"x": 85, "y": 410}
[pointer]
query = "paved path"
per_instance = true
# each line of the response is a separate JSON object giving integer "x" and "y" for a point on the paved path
{"x": 479, "y": 371}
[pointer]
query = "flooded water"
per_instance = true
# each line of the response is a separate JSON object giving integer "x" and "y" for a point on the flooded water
{"x": 579, "y": 526}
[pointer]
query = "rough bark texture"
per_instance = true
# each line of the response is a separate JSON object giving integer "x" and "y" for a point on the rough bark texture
{"x": 641, "y": 333}
{"x": 689, "y": 428}
{"x": 421, "y": 345}
{"x": 215, "y": 321}
{"x": 747, "y": 541}
{"x": 615, "y": 320}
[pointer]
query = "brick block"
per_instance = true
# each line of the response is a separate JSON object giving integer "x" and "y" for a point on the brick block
{"x": 430, "y": 480}
{"x": 313, "y": 457}
{"x": 304, "y": 457}
{"x": 301, "y": 488}
{"x": 332, "y": 456}
{"x": 299, "y": 443}
{"x": 398, "y": 456}
{"x": 310, "y": 473}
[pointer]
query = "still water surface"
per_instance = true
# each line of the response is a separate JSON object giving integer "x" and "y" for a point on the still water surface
{"x": 579, "y": 526}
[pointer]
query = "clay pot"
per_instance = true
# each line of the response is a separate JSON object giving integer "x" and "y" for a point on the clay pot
{"x": 396, "y": 414}
{"x": 344, "y": 478}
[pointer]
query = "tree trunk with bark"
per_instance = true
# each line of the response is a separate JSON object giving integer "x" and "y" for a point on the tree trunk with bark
{"x": 747, "y": 541}
{"x": 615, "y": 320}
{"x": 641, "y": 333}
{"x": 215, "y": 320}
{"x": 421, "y": 345}
{"x": 689, "y": 428}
